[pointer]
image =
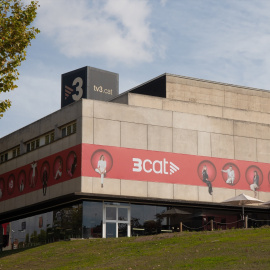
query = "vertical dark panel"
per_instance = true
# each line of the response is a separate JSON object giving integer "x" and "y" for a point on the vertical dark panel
{"x": 90, "y": 83}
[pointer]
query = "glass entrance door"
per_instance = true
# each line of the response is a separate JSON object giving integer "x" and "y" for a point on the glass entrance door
{"x": 116, "y": 221}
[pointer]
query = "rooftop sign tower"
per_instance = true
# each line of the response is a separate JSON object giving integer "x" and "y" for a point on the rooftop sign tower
{"x": 89, "y": 83}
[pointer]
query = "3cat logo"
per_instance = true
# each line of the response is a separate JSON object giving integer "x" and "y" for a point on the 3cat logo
{"x": 78, "y": 82}
{"x": 68, "y": 91}
{"x": 156, "y": 166}
{"x": 173, "y": 168}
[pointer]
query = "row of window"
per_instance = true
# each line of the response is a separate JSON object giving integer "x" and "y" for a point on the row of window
{"x": 38, "y": 142}
{"x": 11, "y": 154}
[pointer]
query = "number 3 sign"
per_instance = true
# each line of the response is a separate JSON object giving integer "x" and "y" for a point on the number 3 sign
{"x": 73, "y": 86}
{"x": 78, "y": 82}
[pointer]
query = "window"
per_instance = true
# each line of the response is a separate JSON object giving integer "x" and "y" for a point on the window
{"x": 23, "y": 225}
{"x": 64, "y": 132}
{"x": 28, "y": 147}
{"x": 49, "y": 138}
{"x": 74, "y": 128}
{"x": 16, "y": 152}
{"x": 4, "y": 157}
{"x": 69, "y": 129}
{"x": 52, "y": 136}
{"x": 32, "y": 145}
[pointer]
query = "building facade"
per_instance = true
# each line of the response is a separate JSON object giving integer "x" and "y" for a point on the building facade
{"x": 113, "y": 168}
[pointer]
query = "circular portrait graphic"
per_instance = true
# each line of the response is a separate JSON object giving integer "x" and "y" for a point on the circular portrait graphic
{"x": 230, "y": 174}
{"x": 254, "y": 177}
{"x": 44, "y": 175}
{"x": 21, "y": 180}
{"x": 210, "y": 168}
{"x": 11, "y": 184}
{"x": 207, "y": 173}
{"x": 33, "y": 174}
{"x": 2, "y": 188}
{"x": 102, "y": 163}
{"x": 58, "y": 168}
{"x": 71, "y": 163}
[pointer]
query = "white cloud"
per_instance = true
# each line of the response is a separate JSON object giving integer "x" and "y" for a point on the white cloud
{"x": 118, "y": 31}
{"x": 163, "y": 2}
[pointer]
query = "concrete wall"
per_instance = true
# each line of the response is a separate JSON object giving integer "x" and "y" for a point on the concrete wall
{"x": 169, "y": 191}
{"x": 217, "y": 94}
{"x": 170, "y": 131}
{"x": 49, "y": 123}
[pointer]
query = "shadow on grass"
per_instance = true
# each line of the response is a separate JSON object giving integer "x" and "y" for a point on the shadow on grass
{"x": 7, "y": 253}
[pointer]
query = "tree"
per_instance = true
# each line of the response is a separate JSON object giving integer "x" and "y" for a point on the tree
{"x": 27, "y": 238}
{"x": 34, "y": 237}
{"x": 42, "y": 237}
{"x": 15, "y": 36}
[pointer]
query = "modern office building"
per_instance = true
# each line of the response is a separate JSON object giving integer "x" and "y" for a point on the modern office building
{"x": 110, "y": 165}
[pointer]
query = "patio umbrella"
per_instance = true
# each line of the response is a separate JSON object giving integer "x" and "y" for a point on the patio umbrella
{"x": 242, "y": 200}
{"x": 174, "y": 212}
{"x": 267, "y": 203}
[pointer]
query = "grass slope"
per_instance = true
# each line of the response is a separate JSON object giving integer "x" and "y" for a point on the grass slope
{"x": 231, "y": 249}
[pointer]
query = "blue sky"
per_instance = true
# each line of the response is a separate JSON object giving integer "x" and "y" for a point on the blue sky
{"x": 225, "y": 41}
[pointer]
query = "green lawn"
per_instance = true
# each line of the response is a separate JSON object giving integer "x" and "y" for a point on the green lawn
{"x": 231, "y": 249}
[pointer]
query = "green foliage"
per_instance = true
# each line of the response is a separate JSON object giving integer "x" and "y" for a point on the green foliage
{"x": 27, "y": 238}
{"x": 15, "y": 36}
{"x": 42, "y": 237}
{"x": 34, "y": 237}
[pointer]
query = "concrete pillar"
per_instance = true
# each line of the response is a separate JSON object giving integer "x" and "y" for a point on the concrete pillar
{"x": 57, "y": 133}
{"x": 22, "y": 147}
{"x": 246, "y": 222}
{"x": 212, "y": 224}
